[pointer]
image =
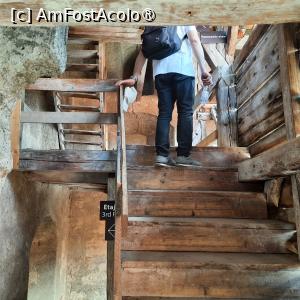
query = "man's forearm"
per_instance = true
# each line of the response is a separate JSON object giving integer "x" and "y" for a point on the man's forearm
{"x": 139, "y": 63}
{"x": 197, "y": 49}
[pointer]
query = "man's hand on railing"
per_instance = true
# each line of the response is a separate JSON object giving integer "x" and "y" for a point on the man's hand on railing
{"x": 126, "y": 82}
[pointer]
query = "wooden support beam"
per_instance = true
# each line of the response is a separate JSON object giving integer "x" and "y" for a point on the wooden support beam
{"x": 68, "y": 117}
{"x": 208, "y": 140}
{"x": 169, "y": 12}
{"x": 281, "y": 160}
{"x": 82, "y": 67}
{"x": 68, "y": 160}
{"x": 68, "y": 155}
{"x": 43, "y": 166}
{"x": 83, "y": 54}
{"x": 255, "y": 36}
{"x": 74, "y": 85}
{"x": 227, "y": 112}
{"x": 16, "y": 134}
{"x": 111, "y": 195}
{"x": 273, "y": 191}
{"x": 93, "y": 179}
{"x": 290, "y": 84}
{"x": 232, "y": 39}
{"x": 213, "y": 57}
{"x": 290, "y": 78}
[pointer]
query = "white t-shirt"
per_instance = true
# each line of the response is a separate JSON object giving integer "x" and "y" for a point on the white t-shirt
{"x": 179, "y": 62}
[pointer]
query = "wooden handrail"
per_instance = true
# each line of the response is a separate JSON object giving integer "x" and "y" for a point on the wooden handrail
{"x": 121, "y": 217}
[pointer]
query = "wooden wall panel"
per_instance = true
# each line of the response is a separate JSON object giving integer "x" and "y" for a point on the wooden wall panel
{"x": 258, "y": 67}
{"x": 259, "y": 96}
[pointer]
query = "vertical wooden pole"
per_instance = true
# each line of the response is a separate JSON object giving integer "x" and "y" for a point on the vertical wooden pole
{"x": 232, "y": 39}
{"x": 226, "y": 111}
{"x": 290, "y": 84}
{"x": 111, "y": 195}
{"x": 103, "y": 75}
{"x": 16, "y": 134}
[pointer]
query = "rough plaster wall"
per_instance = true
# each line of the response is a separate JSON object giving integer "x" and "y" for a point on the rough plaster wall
{"x": 39, "y": 136}
{"x": 86, "y": 261}
{"x": 26, "y": 53}
{"x": 42, "y": 262}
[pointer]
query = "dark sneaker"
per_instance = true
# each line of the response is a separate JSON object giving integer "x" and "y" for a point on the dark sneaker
{"x": 187, "y": 161}
{"x": 164, "y": 161}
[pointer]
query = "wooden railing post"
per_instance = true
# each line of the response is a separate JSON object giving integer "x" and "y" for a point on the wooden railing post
{"x": 121, "y": 215}
{"x": 290, "y": 84}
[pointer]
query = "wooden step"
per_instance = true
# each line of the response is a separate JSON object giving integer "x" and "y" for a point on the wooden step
{"x": 192, "y": 179}
{"x": 82, "y": 132}
{"x": 181, "y": 275}
{"x": 83, "y": 142}
{"x": 74, "y": 85}
{"x": 207, "y": 234}
{"x": 220, "y": 157}
{"x": 84, "y": 54}
{"x": 197, "y": 204}
{"x": 78, "y": 107}
{"x": 83, "y": 67}
{"x": 67, "y": 161}
{"x": 50, "y": 117}
{"x": 80, "y": 95}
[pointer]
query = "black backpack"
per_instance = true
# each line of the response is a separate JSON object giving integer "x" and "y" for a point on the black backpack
{"x": 160, "y": 41}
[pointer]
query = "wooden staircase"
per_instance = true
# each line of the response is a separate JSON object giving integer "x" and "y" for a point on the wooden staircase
{"x": 199, "y": 233}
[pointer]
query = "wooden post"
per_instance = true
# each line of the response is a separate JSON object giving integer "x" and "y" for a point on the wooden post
{"x": 232, "y": 40}
{"x": 227, "y": 111}
{"x": 290, "y": 84}
{"x": 111, "y": 195}
{"x": 16, "y": 134}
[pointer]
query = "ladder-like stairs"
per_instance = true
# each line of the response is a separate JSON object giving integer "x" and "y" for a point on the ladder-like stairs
{"x": 199, "y": 233}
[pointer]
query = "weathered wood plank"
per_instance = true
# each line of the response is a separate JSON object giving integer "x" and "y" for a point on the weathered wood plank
{"x": 80, "y": 95}
{"x": 74, "y": 85}
{"x": 110, "y": 264}
{"x": 153, "y": 178}
{"x": 290, "y": 79}
{"x": 286, "y": 214}
{"x": 209, "y": 275}
{"x": 275, "y": 137}
{"x": 260, "y": 106}
{"x": 259, "y": 130}
{"x": 227, "y": 113}
{"x": 61, "y": 177}
{"x": 15, "y": 135}
{"x": 197, "y": 204}
{"x": 68, "y": 117}
{"x": 290, "y": 82}
{"x": 172, "y": 12}
{"x": 273, "y": 191}
{"x": 232, "y": 39}
{"x": 251, "y": 43}
{"x": 213, "y": 57}
{"x": 42, "y": 166}
{"x": 209, "y": 234}
{"x": 209, "y": 139}
{"x": 281, "y": 160}
{"x": 259, "y": 67}
{"x": 222, "y": 157}
{"x": 77, "y": 156}
{"x": 84, "y": 54}
{"x": 82, "y": 67}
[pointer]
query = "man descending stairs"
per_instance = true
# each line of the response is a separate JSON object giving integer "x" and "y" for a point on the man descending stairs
{"x": 197, "y": 233}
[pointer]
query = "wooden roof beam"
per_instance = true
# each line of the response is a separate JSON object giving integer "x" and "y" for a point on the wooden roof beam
{"x": 170, "y": 12}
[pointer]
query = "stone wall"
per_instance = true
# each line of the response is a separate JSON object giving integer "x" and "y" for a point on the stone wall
{"x": 25, "y": 55}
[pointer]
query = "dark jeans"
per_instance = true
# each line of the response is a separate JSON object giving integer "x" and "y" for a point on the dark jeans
{"x": 171, "y": 88}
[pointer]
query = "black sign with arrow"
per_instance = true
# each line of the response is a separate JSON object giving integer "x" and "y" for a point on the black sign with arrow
{"x": 110, "y": 230}
{"x": 107, "y": 214}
